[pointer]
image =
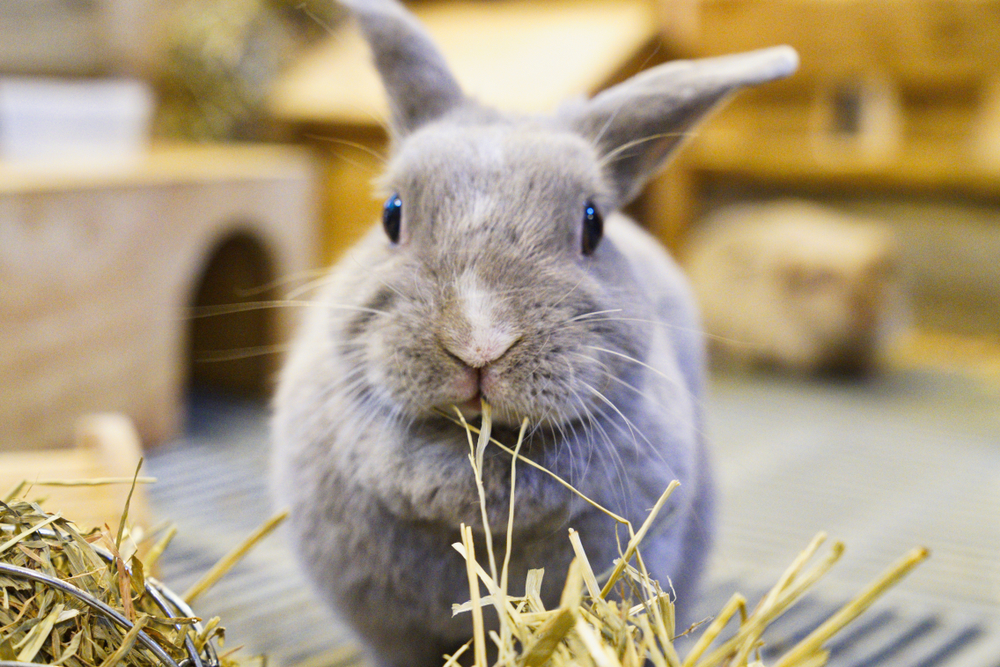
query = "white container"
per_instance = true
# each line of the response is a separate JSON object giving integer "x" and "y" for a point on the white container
{"x": 73, "y": 120}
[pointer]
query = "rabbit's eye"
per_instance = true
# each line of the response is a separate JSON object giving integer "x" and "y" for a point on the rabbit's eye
{"x": 392, "y": 217}
{"x": 593, "y": 228}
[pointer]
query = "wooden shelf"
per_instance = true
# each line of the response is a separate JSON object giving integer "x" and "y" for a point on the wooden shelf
{"x": 735, "y": 146}
{"x": 162, "y": 164}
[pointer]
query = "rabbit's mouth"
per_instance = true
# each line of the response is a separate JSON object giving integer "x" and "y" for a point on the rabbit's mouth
{"x": 472, "y": 407}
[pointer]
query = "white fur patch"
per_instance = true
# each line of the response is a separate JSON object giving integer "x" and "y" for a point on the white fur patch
{"x": 488, "y": 338}
{"x": 483, "y": 206}
{"x": 477, "y": 301}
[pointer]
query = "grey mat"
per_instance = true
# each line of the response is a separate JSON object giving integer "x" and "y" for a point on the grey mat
{"x": 885, "y": 465}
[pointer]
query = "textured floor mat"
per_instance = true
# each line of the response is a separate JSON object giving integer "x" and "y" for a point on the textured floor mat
{"x": 883, "y": 465}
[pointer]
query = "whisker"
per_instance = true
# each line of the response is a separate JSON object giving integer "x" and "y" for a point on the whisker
{"x": 384, "y": 283}
{"x": 595, "y": 313}
{"x": 637, "y": 142}
{"x": 309, "y": 274}
{"x": 320, "y": 280}
{"x": 215, "y": 356}
{"x": 626, "y": 357}
{"x": 669, "y": 325}
{"x": 610, "y": 450}
{"x": 611, "y": 376}
{"x": 566, "y": 295}
{"x": 317, "y": 19}
{"x": 584, "y": 415}
{"x": 604, "y": 399}
{"x": 383, "y": 159}
{"x": 228, "y": 309}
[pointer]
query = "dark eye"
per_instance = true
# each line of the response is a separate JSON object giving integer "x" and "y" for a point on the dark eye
{"x": 392, "y": 216}
{"x": 593, "y": 228}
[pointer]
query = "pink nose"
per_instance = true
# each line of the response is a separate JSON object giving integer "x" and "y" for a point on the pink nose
{"x": 478, "y": 351}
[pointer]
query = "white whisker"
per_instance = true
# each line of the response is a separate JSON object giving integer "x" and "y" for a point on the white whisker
{"x": 638, "y": 142}
{"x": 231, "y": 308}
{"x": 596, "y": 312}
{"x": 216, "y": 356}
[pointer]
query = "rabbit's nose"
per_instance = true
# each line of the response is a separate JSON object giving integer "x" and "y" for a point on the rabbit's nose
{"x": 479, "y": 348}
{"x": 472, "y": 326}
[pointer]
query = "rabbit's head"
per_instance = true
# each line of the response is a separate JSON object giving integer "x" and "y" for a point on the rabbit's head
{"x": 491, "y": 278}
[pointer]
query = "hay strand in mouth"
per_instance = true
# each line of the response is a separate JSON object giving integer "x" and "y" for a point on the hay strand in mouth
{"x": 523, "y": 459}
{"x": 510, "y": 509}
{"x": 478, "y": 630}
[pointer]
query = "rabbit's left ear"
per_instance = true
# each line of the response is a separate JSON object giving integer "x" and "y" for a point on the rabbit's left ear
{"x": 637, "y": 124}
{"x": 417, "y": 80}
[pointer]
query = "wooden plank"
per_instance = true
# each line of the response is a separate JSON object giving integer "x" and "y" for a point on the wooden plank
{"x": 768, "y": 145}
{"x": 917, "y": 42}
{"x": 163, "y": 164}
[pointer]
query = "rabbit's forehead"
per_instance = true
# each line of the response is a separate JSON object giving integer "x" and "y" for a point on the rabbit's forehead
{"x": 499, "y": 159}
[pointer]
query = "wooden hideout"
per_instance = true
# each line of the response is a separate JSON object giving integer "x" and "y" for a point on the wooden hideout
{"x": 110, "y": 273}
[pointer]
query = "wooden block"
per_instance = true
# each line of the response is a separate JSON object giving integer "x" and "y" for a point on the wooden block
{"x": 107, "y": 446}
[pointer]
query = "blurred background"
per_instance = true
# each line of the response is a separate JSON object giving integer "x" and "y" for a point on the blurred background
{"x": 174, "y": 174}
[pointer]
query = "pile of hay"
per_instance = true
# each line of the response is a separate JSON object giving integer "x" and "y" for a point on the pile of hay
{"x": 588, "y": 628}
{"x": 85, "y": 598}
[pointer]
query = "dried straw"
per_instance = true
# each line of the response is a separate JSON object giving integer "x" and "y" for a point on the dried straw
{"x": 84, "y": 598}
{"x": 590, "y": 628}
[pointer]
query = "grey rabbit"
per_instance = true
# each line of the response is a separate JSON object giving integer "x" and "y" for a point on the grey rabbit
{"x": 501, "y": 270}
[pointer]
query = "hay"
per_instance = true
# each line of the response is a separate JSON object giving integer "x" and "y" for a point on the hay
{"x": 590, "y": 628}
{"x": 85, "y": 598}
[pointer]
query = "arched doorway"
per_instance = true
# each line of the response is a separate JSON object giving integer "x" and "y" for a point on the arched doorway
{"x": 232, "y": 333}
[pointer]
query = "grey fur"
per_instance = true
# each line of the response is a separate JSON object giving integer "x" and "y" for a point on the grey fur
{"x": 488, "y": 289}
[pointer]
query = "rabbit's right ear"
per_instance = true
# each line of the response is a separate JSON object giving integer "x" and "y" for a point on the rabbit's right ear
{"x": 638, "y": 124}
{"x": 418, "y": 82}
